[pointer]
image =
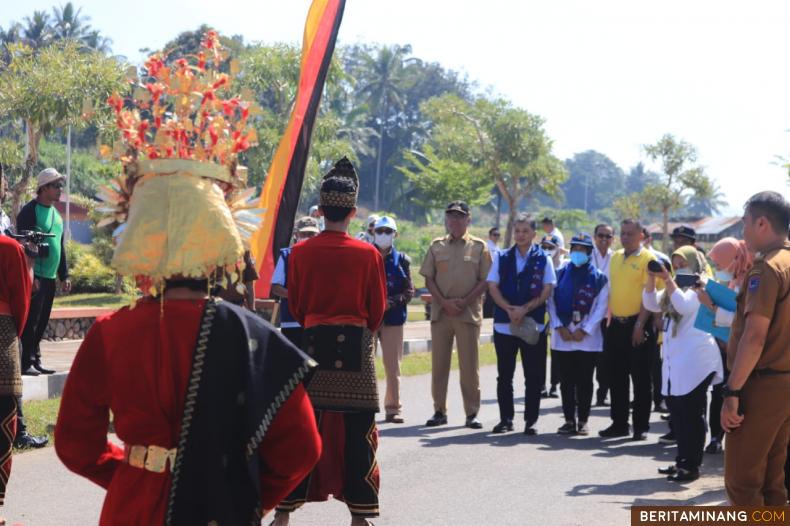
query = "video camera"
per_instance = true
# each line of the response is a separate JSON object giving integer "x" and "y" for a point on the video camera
{"x": 37, "y": 239}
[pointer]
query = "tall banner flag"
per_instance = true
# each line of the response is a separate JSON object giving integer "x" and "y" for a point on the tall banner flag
{"x": 280, "y": 194}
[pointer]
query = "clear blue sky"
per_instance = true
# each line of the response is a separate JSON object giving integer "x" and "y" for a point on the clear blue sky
{"x": 608, "y": 75}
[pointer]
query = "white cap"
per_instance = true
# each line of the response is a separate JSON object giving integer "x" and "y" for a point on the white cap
{"x": 386, "y": 222}
{"x": 372, "y": 218}
{"x": 49, "y": 175}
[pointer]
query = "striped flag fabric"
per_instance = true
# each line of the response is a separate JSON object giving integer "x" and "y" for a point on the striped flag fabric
{"x": 283, "y": 185}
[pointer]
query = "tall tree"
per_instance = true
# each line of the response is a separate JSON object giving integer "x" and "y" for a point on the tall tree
{"x": 501, "y": 144}
{"x": 593, "y": 181}
{"x": 50, "y": 89}
{"x": 680, "y": 178}
{"x": 69, "y": 23}
{"x": 383, "y": 87}
{"x": 36, "y": 32}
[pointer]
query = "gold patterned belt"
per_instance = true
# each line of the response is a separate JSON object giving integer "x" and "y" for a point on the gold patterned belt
{"x": 149, "y": 458}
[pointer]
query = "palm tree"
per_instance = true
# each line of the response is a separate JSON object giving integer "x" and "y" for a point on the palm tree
{"x": 69, "y": 24}
{"x": 383, "y": 89}
{"x": 37, "y": 33}
{"x": 9, "y": 36}
{"x": 354, "y": 129}
{"x": 95, "y": 40}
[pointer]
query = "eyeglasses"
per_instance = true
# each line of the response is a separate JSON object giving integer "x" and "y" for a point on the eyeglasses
{"x": 386, "y": 231}
{"x": 604, "y": 236}
{"x": 494, "y": 235}
{"x": 59, "y": 186}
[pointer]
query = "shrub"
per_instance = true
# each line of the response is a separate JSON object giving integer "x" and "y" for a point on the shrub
{"x": 89, "y": 274}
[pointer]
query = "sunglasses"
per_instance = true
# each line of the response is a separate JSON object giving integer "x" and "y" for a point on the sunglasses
{"x": 59, "y": 186}
{"x": 386, "y": 231}
{"x": 494, "y": 235}
{"x": 604, "y": 236}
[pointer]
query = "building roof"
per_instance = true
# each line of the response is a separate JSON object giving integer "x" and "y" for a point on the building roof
{"x": 704, "y": 226}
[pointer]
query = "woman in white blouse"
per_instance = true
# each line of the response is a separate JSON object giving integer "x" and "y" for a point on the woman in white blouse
{"x": 691, "y": 362}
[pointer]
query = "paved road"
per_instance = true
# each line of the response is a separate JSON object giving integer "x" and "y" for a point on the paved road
{"x": 445, "y": 476}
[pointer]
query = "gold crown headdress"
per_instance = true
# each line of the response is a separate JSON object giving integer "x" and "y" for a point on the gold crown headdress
{"x": 182, "y": 134}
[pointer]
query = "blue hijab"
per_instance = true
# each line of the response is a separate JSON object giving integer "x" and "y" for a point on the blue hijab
{"x": 577, "y": 288}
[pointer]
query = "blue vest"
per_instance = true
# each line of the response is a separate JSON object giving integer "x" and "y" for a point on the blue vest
{"x": 520, "y": 288}
{"x": 285, "y": 312}
{"x": 397, "y": 283}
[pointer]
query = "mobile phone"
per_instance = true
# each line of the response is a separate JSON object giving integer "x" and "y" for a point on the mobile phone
{"x": 655, "y": 266}
{"x": 687, "y": 280}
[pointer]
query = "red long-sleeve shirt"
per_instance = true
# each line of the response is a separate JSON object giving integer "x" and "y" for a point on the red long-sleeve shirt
{"x": 15, "y": 280}
{"x": 334, "y": 279}
{"x": 137, "y": 363}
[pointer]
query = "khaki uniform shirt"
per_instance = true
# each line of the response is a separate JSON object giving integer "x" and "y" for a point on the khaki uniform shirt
{"x": 766, "y": 291}
{"x": 457, "y": 266}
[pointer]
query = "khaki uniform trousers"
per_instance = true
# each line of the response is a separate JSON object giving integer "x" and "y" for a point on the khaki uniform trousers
{"x": 467, "y": 336}
{"x": 391, "y": 338}
{"x": 755, "y": 453}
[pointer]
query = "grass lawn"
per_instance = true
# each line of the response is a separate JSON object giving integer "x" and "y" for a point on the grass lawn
{"x": 112, "y": 301}
{"x": 40, "y": 415}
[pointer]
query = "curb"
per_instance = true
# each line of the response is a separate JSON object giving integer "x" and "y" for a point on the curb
{"x": 43, "y": 387}
{"x": 415, "y": 346}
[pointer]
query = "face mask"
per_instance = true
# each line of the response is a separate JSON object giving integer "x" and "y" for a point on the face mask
{"x": 384, "y": 240}
{"x": 579, "y": 258}
{"x": 683, "y": 271}
{"x": 550, "y": 253}
{"x": 723, "y": 276}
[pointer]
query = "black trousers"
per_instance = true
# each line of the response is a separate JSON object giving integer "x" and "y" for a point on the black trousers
{"x": 717, "y": 400}
{"x": 294, "y": 335}
{"x": 655, "y": 373}
{"x": 37, "y": 320}
{"x": 507, "y": 348}
{"x": 688, "y": 422}
{"x": 576, "y": 382}
{"x": 624, "y": 362}
{"x": 601, "y": 371}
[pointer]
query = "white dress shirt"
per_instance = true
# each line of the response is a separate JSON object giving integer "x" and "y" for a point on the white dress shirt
{"x": 602, "y": 262}
{"x": 590, "y": 323}
{"x": 549, "y": 278}
{"x": 690, "y": 355}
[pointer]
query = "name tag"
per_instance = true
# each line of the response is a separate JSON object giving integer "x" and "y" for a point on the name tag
{"x": 467, "y": 258}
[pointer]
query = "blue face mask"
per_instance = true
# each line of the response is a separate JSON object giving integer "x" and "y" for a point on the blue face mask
{"x": 723, "y": 276}
{"x": 579, "y": 258}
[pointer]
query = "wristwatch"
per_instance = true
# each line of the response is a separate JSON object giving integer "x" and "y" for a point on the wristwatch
{"x": 726, "y": 392}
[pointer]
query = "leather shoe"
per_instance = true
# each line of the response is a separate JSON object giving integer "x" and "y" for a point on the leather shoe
{"x": 438, "y": 419}
{"x": 473, "y": 423}
{"x": 530, "y": 431}
{"x": 25, "y": 440}
{"x": 669, "y": 470}
{"x": 639, "y": 436}
{"x": 684, "y": 475}
{"x": 613, "y": 432}
{"x": 394, "y": 419}
{"x": 568, "y": 428}
{"x": 503, "y": 426}
{"x": 43, "y": 370}
{"x": 714, "y": 447}
{"x": 30, "y": 371}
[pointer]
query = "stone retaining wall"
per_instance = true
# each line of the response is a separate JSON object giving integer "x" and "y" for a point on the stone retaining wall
{"x": 68, "y": 328}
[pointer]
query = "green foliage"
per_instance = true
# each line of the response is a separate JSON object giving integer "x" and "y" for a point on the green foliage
{"x": 87, "y": 172}
{"x": 89, "y": 274}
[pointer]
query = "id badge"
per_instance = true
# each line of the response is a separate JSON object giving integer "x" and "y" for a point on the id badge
{"x": 577, "y": 316}
{"x": 665, "y": 326}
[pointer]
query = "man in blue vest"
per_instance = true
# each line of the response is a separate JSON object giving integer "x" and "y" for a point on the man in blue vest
{"x": 399, "y": 293}
{"x": 520, "y": 281}
{"x": 306, "y": 227}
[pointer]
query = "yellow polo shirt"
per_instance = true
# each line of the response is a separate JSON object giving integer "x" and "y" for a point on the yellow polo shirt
{"x": 627, "y": 279}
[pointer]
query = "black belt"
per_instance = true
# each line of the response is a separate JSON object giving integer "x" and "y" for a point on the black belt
{"x": 624, "y": 319}
{"x": 767, "y": 372}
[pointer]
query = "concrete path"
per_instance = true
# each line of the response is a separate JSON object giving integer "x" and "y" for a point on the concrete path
{"x": 446, "y": 476}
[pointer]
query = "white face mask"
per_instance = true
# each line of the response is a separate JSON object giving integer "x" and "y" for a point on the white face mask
{"x": 550, "y": 253}
{"x": 384, "y": 240}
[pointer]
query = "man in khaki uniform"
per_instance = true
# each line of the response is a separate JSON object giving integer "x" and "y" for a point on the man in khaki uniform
{"x": 455, "y": 270}
{"x": 756, "y": 410}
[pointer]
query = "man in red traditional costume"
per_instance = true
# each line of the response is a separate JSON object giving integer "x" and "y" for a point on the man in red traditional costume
{"x": 206, "y": 397}
{"x": 337, "y": 292}
{"x": 16, "y": 281}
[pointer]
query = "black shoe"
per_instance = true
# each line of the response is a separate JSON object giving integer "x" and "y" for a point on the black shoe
{"x": 393, "y": 419}
{"x": 669, "y": 438}
{"x": 544, "y": 393}
{"x": 530, "y": 431}
{"x": 503, "y": 426}
{"x": 684, "y": 475}
{"x": 473, "y": 423}
{"x": 30, "y": 371}
{"x": 553, "y": 392}
{"x": 714, "y": 448}
{"x": 43, "y": 370}
{"x": 669, "y": 470}
{"x": 638, "y": 436}
{"x": 568, "y": 428}
{"x": 614, "y": 432}
{"x": 665, "y": 417}
{"x": 660, "y": 407}
{"x": 601, "y": 402}
{"x": 583, "y": 429}
{"x": 25, "y": 440}
{"x": 438, "y": 419}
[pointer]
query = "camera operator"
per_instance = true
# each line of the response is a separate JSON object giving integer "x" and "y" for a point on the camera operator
{"x": 40, "y": 215}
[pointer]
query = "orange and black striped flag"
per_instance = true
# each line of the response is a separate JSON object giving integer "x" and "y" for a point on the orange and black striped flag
{"x": 280, "y": 194}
